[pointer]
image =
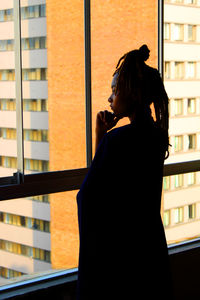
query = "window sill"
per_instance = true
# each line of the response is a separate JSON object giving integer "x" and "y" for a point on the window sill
{"x": 36, "y": 283}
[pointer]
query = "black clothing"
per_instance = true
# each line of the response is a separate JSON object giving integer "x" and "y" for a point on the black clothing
{"x": 123, "y": 251}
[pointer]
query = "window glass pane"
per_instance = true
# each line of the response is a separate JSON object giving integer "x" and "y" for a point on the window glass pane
{"x": 53, "y": 91}
{"x": 182, "y": 54}
{"x": 8, "y": 145}
{"x": 111, "y": 37}
{"x": 181, "y": 205}
{"x": 38, "y": 236}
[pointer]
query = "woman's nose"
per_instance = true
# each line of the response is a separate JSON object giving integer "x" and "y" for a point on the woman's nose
{"x": 110, "y": 100}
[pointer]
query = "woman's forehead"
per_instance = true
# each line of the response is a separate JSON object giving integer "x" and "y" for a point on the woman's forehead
{"x": 114, "y": 80}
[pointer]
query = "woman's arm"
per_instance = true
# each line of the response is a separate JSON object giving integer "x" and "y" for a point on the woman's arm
{"x": 105, "y": 121}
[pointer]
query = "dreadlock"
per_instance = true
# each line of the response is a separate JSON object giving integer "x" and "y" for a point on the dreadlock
{"x": 143, "y": 85}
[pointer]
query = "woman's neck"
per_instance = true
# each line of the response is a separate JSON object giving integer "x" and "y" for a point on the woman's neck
{"x": 144, "y": 114}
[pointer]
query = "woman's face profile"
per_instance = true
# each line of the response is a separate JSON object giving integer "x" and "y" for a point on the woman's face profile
{"x": 118, "y": 103}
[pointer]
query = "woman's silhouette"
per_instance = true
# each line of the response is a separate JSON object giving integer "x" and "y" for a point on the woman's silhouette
{"x": 123, "y": 251}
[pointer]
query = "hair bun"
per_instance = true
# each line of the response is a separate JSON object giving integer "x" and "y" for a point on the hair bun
{"x": 144, "y": 52}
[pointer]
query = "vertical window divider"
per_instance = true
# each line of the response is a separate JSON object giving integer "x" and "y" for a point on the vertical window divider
{"x": 88, "y": 94}
{"x": 18, "y": 88}
{"x": 160, "y": 36}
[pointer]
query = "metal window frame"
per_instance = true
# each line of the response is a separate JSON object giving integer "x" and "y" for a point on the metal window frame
{"x": 19, "y": 90}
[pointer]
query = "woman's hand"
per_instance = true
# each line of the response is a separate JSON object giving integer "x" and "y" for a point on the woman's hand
{"x": 105, "y": 121}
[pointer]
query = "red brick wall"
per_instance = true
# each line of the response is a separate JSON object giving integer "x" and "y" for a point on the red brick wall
{"x": 117, "y": 27}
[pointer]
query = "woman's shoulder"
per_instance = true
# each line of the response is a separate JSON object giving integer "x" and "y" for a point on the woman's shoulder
{"x": 120, "y": 131}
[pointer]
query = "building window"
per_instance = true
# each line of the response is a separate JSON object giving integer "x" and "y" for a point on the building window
{"x": 167, "y": 72}
{"x": 191, "y": 142}
{"x": 9, "y": 273}
{"x": 191, "y": 105}
{"x": 190, "y": 70}
{"x": 178, "y": 143}
{"x": 27, "y": 74}
{"x": 6, "y": 15}
{"x": 191, "y": 211}
{"x": 30, "y": 164}
{"x": 29, "y": 134}
{"x": 6, "y": 45}
{"x": 178, "y": 107}
{"x": 191, "y": 33}
{"x": 34, "y": 43}
{"x": 41, "y": 198}
{"x": 166, "y": 218}
{"x": 34, "y": 74}
{"x": 28, "y": 104}
{"x": 166, "y": 183}
{"x": 36, "y": 165}
{"x": 191, "y": 1}
{"x": 36, "y": 135}
{"x": 191, "y": 178}
{"x": 178, "y": 180}
{"x": 178, "y": 32}
{"x": 23, "y": 221}
{"x": 7, "y": 75}
{"x": 166, "y": 31}
{"x": 35, "y": 11}
{"x": 178, "y": 215}
{"x": 179, "y": 70}
{"x": 16, "y": 248}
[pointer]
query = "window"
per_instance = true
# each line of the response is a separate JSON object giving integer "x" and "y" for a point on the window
{"x": 178, "y": 1}
{"x": 191, "y": 33}
{"x": 178, "y": 32}
{"x": 178, "y": 180}
{"x": 167, "y": 31}
{"x": 7, "y": 75}
{"x": 6, "y": 15}
{"x": 178, "y": 143}
{"x": 191, "y": 141}
{"x": 191, "y": 1}
{"x": 178, "y": 215}
{"x": 166, "y": 219}
{"x": 190, "y": 70}
{"x": 34, "y": 74}
{"x": 178, "y": 106}
{"x": 9, "y": 273}
{"x": 6, "y": 45}
{"x": 179, "y": 70}
{"x": 191, "y": 105}
{"x": 191, "y": 211}
{"x": 16, "y": 248}
{"x": 68, "y": 147}
{"x": 34, "y": 43}
{"x": 167, "y": 70}
{"x": 191, "y": 178}
{"x": 35, "y": 11}
{"x": 166, "y": 183}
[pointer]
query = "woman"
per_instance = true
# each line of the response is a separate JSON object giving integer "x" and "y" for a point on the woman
{"x": 123, "y": 251}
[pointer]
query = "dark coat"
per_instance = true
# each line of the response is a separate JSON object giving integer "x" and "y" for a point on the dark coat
{"x": 123, "y": 248}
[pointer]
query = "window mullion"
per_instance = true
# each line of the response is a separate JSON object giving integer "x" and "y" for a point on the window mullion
{"x": 88, "y": 106}
{"x": 160, "y": 36}
{"x": 18, "y": 89}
